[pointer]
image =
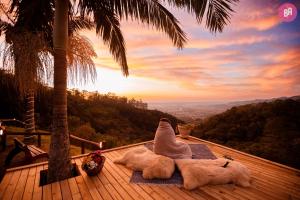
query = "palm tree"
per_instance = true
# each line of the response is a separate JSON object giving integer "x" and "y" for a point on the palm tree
{"x": 27, "y": 50}
{"x": 26, "y": 33}
{"x": 106, "y": 15}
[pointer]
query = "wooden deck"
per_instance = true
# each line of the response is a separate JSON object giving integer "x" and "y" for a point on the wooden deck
{"x": 269, "y": 181}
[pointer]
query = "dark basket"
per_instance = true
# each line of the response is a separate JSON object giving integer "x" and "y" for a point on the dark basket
{"x": 94, "y": 172}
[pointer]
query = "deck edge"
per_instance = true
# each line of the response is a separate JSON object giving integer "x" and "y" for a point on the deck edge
{"x": 247, "y": 154}
{"x": 140, "y": 143}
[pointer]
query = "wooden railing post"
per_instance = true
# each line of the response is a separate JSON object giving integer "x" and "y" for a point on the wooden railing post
{"x": 39, "y": 140}
{"x": 83, "y": 142}
{"x": 82, "y": 147}
{"x": 3, "y": 140}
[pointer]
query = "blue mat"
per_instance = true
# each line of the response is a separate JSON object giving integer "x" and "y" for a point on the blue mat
{"x": 200, "y": 151}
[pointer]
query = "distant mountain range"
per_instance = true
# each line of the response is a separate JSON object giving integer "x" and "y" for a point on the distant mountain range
{"x": 237, "y": 103}
{"x": 191, "y": 111}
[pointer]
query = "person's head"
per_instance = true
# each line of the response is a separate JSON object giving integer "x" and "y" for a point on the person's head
{"x": 165, "y": 120}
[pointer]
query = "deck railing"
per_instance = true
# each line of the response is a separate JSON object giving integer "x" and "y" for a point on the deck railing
{"x": 83, "y": 143}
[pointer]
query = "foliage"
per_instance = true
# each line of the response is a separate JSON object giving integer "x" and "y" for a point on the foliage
{"x": 85, "y": 131}
{"x": 269, "y": 130}
{"x": 115, "y": 120}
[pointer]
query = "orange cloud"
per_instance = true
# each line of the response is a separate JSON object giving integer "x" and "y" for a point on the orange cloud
{"x": 259, "y": 15}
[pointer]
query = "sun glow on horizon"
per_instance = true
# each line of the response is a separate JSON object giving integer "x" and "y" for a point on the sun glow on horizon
{"x": 112, "y": 81}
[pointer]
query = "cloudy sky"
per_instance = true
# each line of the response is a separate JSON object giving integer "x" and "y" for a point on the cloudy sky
{"x": 257, "y": 56}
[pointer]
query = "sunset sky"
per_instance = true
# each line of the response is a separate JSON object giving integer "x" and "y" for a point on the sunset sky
{"x": 256, "y": 56}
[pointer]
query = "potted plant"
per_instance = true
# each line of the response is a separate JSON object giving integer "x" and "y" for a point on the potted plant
{"x": 93, "y": 163}
{"x": 184, "y": 130}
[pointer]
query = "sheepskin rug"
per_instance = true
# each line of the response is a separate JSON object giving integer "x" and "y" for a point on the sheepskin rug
{"x": 197, "y": 173}
{"x": 152, "y": 165}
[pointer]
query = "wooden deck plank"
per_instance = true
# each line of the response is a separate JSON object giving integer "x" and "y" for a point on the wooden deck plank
{"x": 126, "y": 178}
{"x": 47, "y": 190}
{"x": 83, "y": 188}
{"x": 206, "y": 195}
{"x": 123, "y": 193}
{"x": 12, "y": 185}
{"x": 29, "y": 184}
{"x": 5, "y": 182}
{"x": 113, "y": 192}
{"x": 65, "y": 190}
{"x": 100, "y": 187}
{"x": 196, "y": 195}
{"x": 19, "y": 190}
{"x": 121, "y": 182}
{"x": 37, "y": 190}
{"x": 56, "y": 191}
{"x": 91, "y": 186}
{"x": 106, "y": 180}
{"x": 261, "y": 177}
{"x": 145, "y": 191}
{"x": 75, "y": 193}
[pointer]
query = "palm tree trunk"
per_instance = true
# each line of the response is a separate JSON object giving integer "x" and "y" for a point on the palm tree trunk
{"x": 29, "y": 117}
{"x": 59, "y": 161}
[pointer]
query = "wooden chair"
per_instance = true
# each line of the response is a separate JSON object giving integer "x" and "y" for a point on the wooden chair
{"x": 32, "y": 152}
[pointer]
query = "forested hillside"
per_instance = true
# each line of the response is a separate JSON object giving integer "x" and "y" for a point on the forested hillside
{"x": 117, "y": 120}
{"x": 269, "y": 130}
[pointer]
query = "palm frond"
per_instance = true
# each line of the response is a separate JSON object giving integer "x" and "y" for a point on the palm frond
{"x": 27, "y": 57}
{"x": 78, "y": 23}
{"x": 3, "y": 26}
{"x": 80, "y": 52}
{"x": 218, "y": 12}
{"x": 196, "y": 7}
{"x": 108, "y": 26}
{"x": 150, "y": 12}
{"x": 33, "y": 16}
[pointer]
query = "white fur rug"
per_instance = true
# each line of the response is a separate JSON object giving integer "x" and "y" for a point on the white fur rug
{"x": 197, "y": 173}
{"x": 152, "y": 165}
